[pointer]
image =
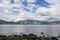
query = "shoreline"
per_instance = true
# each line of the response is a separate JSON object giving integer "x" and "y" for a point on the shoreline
{"x": 29, "y": 24}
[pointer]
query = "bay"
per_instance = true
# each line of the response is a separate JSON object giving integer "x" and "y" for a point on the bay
{"x": 52, "y": 30}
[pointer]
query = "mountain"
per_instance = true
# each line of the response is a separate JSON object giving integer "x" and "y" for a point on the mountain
{"x": 38, "y": 22}
{"x": 2, "y": 21}
{"x": 32, "y": 22}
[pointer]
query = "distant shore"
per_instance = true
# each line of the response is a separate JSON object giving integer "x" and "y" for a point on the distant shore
{"x": 29, "y": 24}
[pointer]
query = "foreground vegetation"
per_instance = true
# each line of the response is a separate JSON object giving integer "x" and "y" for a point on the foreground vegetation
{"x": 27, "y": 37}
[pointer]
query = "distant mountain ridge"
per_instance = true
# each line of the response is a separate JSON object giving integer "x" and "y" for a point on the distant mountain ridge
{"x": 29, "y": 22}
{"x": 2, "y": 21}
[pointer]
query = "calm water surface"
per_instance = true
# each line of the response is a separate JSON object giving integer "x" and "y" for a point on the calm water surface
{"x": 36, "y": 29}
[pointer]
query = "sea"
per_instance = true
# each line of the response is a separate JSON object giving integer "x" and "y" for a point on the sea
{"x": 48, "y": 30}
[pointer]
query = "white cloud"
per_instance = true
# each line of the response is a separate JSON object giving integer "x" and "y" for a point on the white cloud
{"x": 42, "y": 13}
{"x": 53, "y": 1}
{"x": 31, "y": 1}
{"x": 53, "y": 12}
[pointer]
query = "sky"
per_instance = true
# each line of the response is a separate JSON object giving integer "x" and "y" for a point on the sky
{"x": 43, "y": 10}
